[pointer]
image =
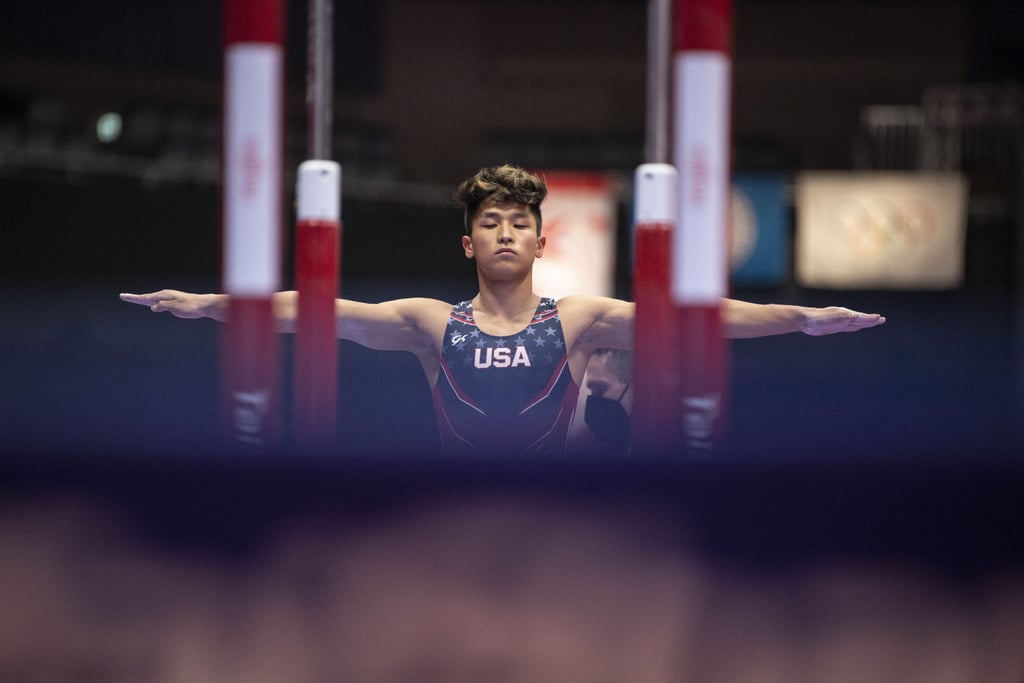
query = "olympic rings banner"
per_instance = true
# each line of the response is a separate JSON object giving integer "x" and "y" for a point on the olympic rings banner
{"x": 880, "y": 230}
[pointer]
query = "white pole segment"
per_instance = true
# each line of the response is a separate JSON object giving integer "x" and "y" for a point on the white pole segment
{"x": 319, "y": 191}
{"x": 702, "y": 99}
{"x": 656, "y": 193}
{"x": 252, "y": 195}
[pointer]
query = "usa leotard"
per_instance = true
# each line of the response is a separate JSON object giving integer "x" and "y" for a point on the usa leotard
{"x": 505, "y": 395}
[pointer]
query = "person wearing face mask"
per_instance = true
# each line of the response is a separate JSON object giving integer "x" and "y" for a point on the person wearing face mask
{"x": 608, "y": 384}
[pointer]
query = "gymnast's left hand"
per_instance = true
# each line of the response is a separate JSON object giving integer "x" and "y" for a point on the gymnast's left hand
{"x": 818, "y": 322}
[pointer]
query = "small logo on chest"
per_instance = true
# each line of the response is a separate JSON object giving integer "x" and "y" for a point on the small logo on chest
{"x": 501, "y": 357}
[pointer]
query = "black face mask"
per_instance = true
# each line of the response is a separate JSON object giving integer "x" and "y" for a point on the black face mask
{"x": 608, "y": 421}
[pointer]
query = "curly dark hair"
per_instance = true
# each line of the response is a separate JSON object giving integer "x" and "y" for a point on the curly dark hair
{"x": 505, "y": 185}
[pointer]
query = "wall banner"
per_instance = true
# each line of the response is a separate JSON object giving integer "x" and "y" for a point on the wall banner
{"x": 880, "y": 230}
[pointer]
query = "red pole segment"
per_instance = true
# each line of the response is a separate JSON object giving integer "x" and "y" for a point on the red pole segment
{"x": 253, "y": 111}
{"x": 317, "y": 249}
{"x": 655, "y": 424}
{"x": 702, "y": 78}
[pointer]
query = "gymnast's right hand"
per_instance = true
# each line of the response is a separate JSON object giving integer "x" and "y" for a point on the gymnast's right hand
{"x": 179, "y": 304}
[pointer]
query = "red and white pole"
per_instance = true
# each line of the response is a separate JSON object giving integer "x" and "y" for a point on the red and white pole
{"x": 317, "y": 249}
{"x": 253, "y": 111}
{"x": 702, "y": 87}
{"x": 654, "y": 423}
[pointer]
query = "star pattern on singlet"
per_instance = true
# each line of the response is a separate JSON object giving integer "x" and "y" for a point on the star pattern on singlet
{"x": 538, "y": 337}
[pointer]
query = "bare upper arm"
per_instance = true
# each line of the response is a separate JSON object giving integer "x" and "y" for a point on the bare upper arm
{"x": 414, "y": 325}
{"x": 595, "y": 322}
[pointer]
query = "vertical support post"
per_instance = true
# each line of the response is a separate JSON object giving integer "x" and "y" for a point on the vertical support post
{"x": 253, "y": 111}
{"x": 317, "y": 239}
{"x": 654, "y": 423}
{"x": 702, "y": 85}
{"x": 659, "y": 49}
{"x": 317, "y": 249}
{"x": 320, "y": 79}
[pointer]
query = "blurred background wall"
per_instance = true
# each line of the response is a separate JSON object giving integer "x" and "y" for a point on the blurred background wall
{"x": 428, "y": 91}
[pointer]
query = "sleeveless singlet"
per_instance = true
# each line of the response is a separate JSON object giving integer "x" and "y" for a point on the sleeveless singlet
{"x": 509, "y": 395}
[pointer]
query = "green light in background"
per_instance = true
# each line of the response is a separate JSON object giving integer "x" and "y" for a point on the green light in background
{"x": 108, "y": 127}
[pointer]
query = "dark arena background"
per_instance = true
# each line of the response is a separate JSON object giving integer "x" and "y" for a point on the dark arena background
{"x": 864, "y": 522}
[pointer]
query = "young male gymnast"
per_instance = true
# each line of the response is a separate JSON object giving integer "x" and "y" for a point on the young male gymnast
{"x": 505, "y": 367}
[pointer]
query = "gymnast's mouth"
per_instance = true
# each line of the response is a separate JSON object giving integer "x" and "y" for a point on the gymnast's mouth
{"x": 505, "y": 250}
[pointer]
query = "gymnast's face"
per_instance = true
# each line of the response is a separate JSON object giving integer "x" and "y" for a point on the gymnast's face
{"x": 503, "y": 237}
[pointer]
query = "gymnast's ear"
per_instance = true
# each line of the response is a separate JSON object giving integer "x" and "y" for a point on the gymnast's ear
{"x": 467, "y": 246}
{"x": 542, "y": 242}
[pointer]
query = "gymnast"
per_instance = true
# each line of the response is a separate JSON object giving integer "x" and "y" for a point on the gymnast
{"x": 505, "y": 367}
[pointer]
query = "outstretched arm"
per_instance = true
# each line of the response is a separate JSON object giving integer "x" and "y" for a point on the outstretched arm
{"x": 400, "y": 325}
{"x": 191, "y": 306}
{"x": 598, "y": 322}
{"x": 744, "y": 320}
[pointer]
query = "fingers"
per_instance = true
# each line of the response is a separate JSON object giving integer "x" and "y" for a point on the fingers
{"x": 861, "y": 321}
{"x": 141, "y": 299}
{"x": 866, "y": 320}
{"x": 156, "y": 301}
{"x": 834, "y": 320}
